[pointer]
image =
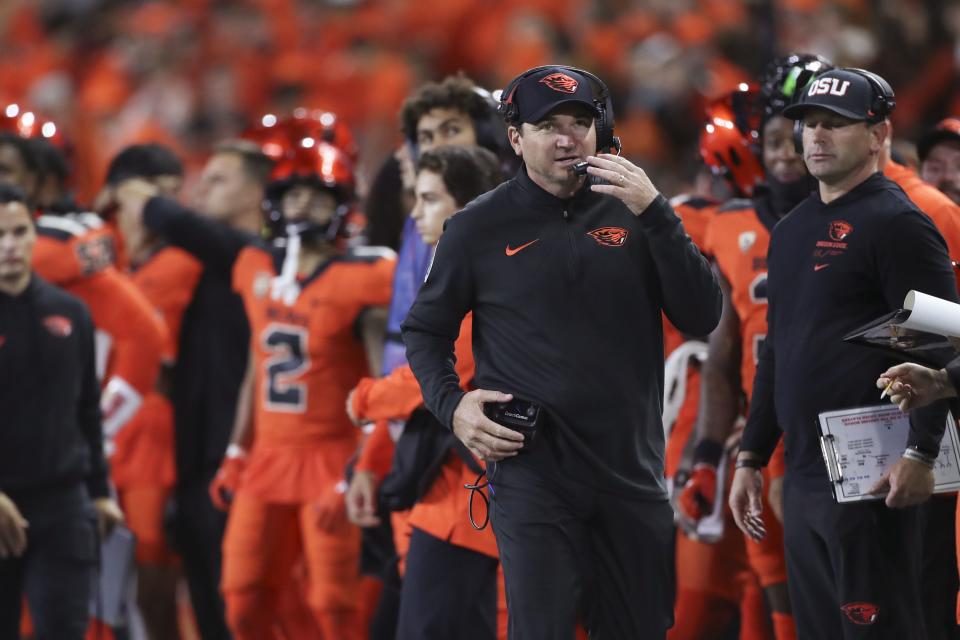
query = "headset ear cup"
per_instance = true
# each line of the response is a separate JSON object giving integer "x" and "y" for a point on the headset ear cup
{"x": 798, "y": 136}
{"x": 603, "y": 134}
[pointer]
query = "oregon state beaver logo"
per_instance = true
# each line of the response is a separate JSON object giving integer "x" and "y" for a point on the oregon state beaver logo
{"x": 59, "y": 326}
{"x": 561, "y": 82}
{"x": 861, "y": 612}
{"x": 609, "y": 236}
{"x": 839, "y": 230}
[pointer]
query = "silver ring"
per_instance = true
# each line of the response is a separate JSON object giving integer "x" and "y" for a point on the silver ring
{"x": 622, "y": 179}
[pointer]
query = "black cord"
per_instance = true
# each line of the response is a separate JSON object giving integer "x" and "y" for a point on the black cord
{"x": 477, "y": 489}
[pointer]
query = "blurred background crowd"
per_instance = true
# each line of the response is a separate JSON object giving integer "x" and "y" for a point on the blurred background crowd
{"x": 190, "y": 72}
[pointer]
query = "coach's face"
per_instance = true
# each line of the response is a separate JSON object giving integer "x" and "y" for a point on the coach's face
{"x": 835, "y": 147}
{"x": 549, "y": 148}
{"x": 17, "y": 237}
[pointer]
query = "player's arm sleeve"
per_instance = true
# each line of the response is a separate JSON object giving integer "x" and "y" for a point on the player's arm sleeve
{"x": 913, "y": 256}
{"x": 396, "y": 395}
{"x": 690, "y": 294}
{"x": 216, "y": 245}
{"x": 138, "y": 338}
{"x": 376, "y": 453}
{"x": 433, "y": 324}
{"x": 88, "y": 414}
{"x": 719, "y": 383}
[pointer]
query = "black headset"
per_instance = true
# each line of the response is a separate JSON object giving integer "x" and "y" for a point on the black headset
{"x": 882, "y": 103}
{"x": 601, "y": 101}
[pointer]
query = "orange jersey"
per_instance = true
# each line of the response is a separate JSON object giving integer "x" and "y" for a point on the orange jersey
{"x": 72, "y": 247}
{"x": 308, "y": 355}
{"x": 167, "y": 280}
{"x": 944, "y": 212}
{"x": 396, "y": 395}
{"x": 737, "y": 238}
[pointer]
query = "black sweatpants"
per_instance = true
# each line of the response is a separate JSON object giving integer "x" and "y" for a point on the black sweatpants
{"x": 447, "y": 592}
{"x": 570, "y": 552}
{"x": 853, "y": 569}
{"x": 198, "y": 536}
{"x": 56, "y": 572}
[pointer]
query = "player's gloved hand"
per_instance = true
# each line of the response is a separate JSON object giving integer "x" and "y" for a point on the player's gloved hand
{"x": 696, "y": 499}
{"x": 224, "y": 484}
{"x": 331, "y": 508}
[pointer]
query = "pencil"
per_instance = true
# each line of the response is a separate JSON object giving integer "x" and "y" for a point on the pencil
{"x": 887, "y": 390}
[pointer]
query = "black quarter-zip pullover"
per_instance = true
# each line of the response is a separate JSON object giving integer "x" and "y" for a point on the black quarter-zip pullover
{"x": 832, "y": 268}
{"x": 50, "y": 430}
{"x": 566, "y": 298}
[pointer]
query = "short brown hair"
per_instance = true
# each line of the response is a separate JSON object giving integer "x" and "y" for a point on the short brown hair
{"x": 256, "y": 163}
{"x": 454, "y": 92}
{"x": 467, "y": 172}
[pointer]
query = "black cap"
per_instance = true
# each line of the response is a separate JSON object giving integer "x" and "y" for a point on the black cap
{"x": 842, "y": 91}
{"x": 538, "y": 94}
{"x": 946, "y": 129}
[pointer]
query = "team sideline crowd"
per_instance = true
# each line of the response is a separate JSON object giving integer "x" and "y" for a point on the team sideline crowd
{"x": 296, "y": 424}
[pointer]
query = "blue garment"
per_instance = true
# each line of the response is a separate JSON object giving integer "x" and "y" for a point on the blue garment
{"x": 412, "y": 264}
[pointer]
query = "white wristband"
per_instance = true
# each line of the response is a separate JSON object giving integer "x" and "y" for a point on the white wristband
{"x": 235, "y": 451}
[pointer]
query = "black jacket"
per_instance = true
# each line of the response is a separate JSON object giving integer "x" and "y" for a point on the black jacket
{"x": 214, "y": 340}
{"x": 50, "y": 430}
{"x": 567, "y": 297}
{"x": 832, "y": 268}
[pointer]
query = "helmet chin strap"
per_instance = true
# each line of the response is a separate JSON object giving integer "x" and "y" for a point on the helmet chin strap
{"x": 285, "y": 287}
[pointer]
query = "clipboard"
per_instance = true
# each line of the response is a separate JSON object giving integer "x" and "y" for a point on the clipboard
{"x": 114, "y": 579}
{"x": 859, "y": 444}
{"x": 926, "y": 330}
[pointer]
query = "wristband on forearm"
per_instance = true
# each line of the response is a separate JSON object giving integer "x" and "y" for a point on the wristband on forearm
{"x": 748, "y": 463}
{"x": 912, "y": 453}
{"x": 708, "y": 452}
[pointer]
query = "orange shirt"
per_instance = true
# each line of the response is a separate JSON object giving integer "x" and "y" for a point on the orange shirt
{"x": 168, "y": 280}
{"x": 944, "y": 212}
{"x": 72, "y": 247}
{"x": 308, "y": 355}
{"x": 443, "y": 511}
{"x": 738, "y": 241}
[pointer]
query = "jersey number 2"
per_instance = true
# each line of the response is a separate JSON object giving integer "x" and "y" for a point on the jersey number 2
{"x": 288, "y": 359}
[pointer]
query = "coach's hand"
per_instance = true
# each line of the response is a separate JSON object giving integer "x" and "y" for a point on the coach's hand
{"x": 746, "y": 502}
{"x": 913, "y": 386}
{"x": 484, "y": 438}
{"x": 361, "y": 499}
{"x": 109, "y": 515}
{"x": 906, "y": 483}
{"x": 13, "y": 529}
{"x": 628, "y": 182}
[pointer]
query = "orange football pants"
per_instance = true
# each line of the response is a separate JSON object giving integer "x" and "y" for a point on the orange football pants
{"x": 261, "y": 546}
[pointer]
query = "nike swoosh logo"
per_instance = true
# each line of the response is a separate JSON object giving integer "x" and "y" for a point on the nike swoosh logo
{"x": 817, "y": 267}
{"x": 511, "y": 252}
